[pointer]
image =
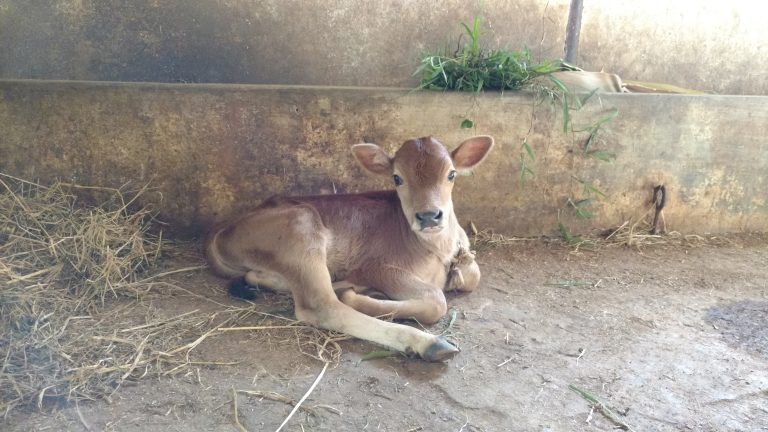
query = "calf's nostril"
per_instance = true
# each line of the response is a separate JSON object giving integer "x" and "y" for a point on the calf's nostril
{"x": 429, "y": 218}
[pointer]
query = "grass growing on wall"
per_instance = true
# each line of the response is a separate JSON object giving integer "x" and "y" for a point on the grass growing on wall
{"x": 473, "y": 68}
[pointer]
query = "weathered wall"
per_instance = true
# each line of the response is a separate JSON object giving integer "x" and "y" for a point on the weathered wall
{"x": 209, "y": 150}
{"x": 709, "y": 45}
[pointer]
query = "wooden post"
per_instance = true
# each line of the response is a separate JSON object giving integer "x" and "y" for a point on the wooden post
{"x": 572, "y": 31}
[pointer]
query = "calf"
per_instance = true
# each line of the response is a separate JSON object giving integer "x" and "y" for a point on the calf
{"x": 349, "y": 258}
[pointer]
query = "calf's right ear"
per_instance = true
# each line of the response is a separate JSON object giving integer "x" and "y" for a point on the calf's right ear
{"x": 373, "y": 158}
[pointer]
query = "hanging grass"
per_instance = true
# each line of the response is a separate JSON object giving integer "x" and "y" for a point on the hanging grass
{"x": 473, "y": 68}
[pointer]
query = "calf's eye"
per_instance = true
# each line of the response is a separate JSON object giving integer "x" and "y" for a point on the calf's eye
{"x": 398, "y": 180}
{"x": 452, "y": 175}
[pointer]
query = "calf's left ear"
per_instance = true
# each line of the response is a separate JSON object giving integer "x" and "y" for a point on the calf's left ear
{"x": 471, "y": 152}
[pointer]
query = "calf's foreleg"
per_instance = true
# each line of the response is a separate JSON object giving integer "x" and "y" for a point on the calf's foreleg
{"x": 409, "y": 298}
{"x": 316, "y": 303}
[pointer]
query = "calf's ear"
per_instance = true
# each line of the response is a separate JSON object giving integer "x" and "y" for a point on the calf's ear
{"x": 471, "y": 152}
{"x": 373, "y": 158}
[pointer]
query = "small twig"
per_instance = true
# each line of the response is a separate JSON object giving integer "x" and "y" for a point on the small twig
{"x": 15, "y": 197}
{"x": 589, "y": 417}
{"x": 569, "y": 283}
{"x": 450, "y": 323}
{"x": 32, "y": 275}
{"x": 504, "y": 362}
{"x": 181, "y": 270}
{"x": 596, "y": 403}
{"x": 86, "y": 425}
{"x": 21, "y": 180}
{"x": 275, "y": 327}
{"x": 188, "y": 363}
{"x": 328, "y": 408}
{"x": 303, "y": 398}
{"x": 277, "y": 397}
{"x": 103, "y": 188}
{"x": 196, "y": 295}
{"x": 157, "y": 323}
{"x": 139, "y": 353}
{"x": 273, "y": 396}
{"x": 237, "y": 420}
{"x": 192, "y": 345}
{"x": 617, "y": 229}
{"x": 582, "y": 351}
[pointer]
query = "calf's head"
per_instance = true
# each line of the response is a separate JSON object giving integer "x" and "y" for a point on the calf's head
{"x": 423, "y": 172}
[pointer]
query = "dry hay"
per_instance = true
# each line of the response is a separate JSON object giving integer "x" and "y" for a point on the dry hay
{"x": 634, "y": 232}
{"x": 638, "y": 233}
{"x": 481, "y": 240}
{"x": 59, "y": 265}
{"x": 74, "y": 323}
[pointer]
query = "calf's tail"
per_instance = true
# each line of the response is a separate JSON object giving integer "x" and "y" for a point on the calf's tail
{"x": 215, "y": 258}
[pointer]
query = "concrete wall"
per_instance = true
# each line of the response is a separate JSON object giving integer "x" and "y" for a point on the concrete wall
{"x": 210, "y": 150}
{"x": 709, "y": 45}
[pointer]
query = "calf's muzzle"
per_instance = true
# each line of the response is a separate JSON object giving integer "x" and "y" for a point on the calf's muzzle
{"x": 429, "y": 219}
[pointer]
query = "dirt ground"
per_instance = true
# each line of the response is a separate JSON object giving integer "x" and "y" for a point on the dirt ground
{"x": 668, "y": 338}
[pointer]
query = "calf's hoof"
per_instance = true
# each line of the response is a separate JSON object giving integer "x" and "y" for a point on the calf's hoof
{"x": 440, "y": 350}
{"x": 239, "y": 288}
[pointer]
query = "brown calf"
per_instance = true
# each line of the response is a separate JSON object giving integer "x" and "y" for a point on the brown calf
{"x": 340, "y": 254}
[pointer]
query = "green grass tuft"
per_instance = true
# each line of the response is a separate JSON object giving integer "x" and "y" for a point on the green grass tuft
{"x": 472, "y": 68}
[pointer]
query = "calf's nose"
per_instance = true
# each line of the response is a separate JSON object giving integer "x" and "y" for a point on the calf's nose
{"x": 429, "y": 218}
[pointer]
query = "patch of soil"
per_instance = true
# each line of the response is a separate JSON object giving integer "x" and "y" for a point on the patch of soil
{"x": 670, "y": 339}
{"x": 743, "y": 324}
